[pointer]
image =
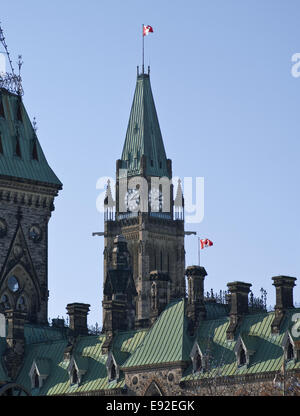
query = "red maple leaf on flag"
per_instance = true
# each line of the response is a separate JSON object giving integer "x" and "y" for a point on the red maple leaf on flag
{"x": 147, "y": 29}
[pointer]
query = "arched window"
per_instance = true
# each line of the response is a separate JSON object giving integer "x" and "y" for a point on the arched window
{"x": 21, "y": 304}
{"x": 5, "y": 302}
{"x": 36, "y": 380}
{"x": 74, "y": 379}
{"x": 198, "y": 362}
{"x": 113, "y": 373}
{"x": 290, "y": 352}
{"x": 242, "y": 357}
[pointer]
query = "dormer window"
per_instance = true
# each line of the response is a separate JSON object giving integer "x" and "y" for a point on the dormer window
{"x": 242, "y": 357}
{"x": 245, "y": 347}
{"x": 290, "y": 350}
{"x": 36, "y": 380}
{"x": 113, "y": 373}
{"x": 199, "y": 357}
{"x": 112, "y": 368}
{"x": 198, "y": 362}
{"x": 39, "y": 372}
{"x": 74, "y": 376}
{"x": 77, "y": 368}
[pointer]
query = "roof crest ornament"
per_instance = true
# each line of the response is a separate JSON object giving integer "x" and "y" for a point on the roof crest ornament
{"x": 9, "y": 80}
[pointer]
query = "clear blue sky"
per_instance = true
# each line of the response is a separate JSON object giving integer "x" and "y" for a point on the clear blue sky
{"x": 228, "y": 109}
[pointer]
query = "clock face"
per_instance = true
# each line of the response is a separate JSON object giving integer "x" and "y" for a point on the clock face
{"x": 35, "y": 233}
{"x": 132, "y": 200}
{"x": 156, "y": 200}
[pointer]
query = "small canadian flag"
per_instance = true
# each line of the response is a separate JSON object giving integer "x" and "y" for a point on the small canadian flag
{"x": 147, "y": 29}
{"x": 206, "y": 243}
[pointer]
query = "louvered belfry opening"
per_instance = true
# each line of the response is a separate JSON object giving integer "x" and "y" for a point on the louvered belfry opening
{"x": 34, "y": 151}
{"x": 18, "y": 147}
{"x": 2, "y": 114}
{"x": 1, "y": 145}
{"x": 19, "y": 112}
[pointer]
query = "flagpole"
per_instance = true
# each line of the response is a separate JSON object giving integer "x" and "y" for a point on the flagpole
{"x": 143, "y": 45}
{"x": 198, "y": 251}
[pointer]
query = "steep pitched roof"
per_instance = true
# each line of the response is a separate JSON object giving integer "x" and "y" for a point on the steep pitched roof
{"x": 21, "y": 156}
{"x": 255, "y": 330}
{"x": 143, "y": 135}
{"x": 167, "y": 341}
{"x": 88, "y": 356}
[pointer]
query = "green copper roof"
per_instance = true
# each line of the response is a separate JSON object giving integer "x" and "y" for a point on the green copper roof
{"x": 255, "y": 330}
{"x": 167, "y": 340}
{"x": 21, "y": 155}
{"x": 87, "y": 354}
{"x": 143, "y": 135}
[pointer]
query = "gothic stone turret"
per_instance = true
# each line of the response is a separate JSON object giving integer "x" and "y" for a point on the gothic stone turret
{"x": 119, "y": 294}
{"x": 28, "y": 187}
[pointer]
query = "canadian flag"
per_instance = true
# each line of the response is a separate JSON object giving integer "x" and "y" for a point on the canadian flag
{"x": 206, "y": 243}
{"x": 147, "y": 30}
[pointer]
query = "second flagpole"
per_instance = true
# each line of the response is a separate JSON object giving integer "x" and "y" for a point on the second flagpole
{"x": 143, "y": 47}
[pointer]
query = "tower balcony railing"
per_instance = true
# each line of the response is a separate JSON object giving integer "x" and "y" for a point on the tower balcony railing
{"x": 127, "y": 215}
{"x": 178, "y": 214}
{"x": 109, "y": 215}
{"x": 161, "y": 215}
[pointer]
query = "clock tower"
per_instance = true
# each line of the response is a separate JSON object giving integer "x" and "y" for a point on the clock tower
{"x": 145, "y": 212}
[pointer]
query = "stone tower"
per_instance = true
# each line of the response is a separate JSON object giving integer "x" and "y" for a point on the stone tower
{"x": 143, "y": 211}
{"x": 28, "y": 187}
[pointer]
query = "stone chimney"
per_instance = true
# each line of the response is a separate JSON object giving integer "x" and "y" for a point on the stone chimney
{"x": 78, "y": 313}
{"x": 195, "y": 306}
{"x": 284, "y": 299}
{"x": 239, "y": 305}
{"x": 160, "y": 293}
{"x": 15, "y": 342}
